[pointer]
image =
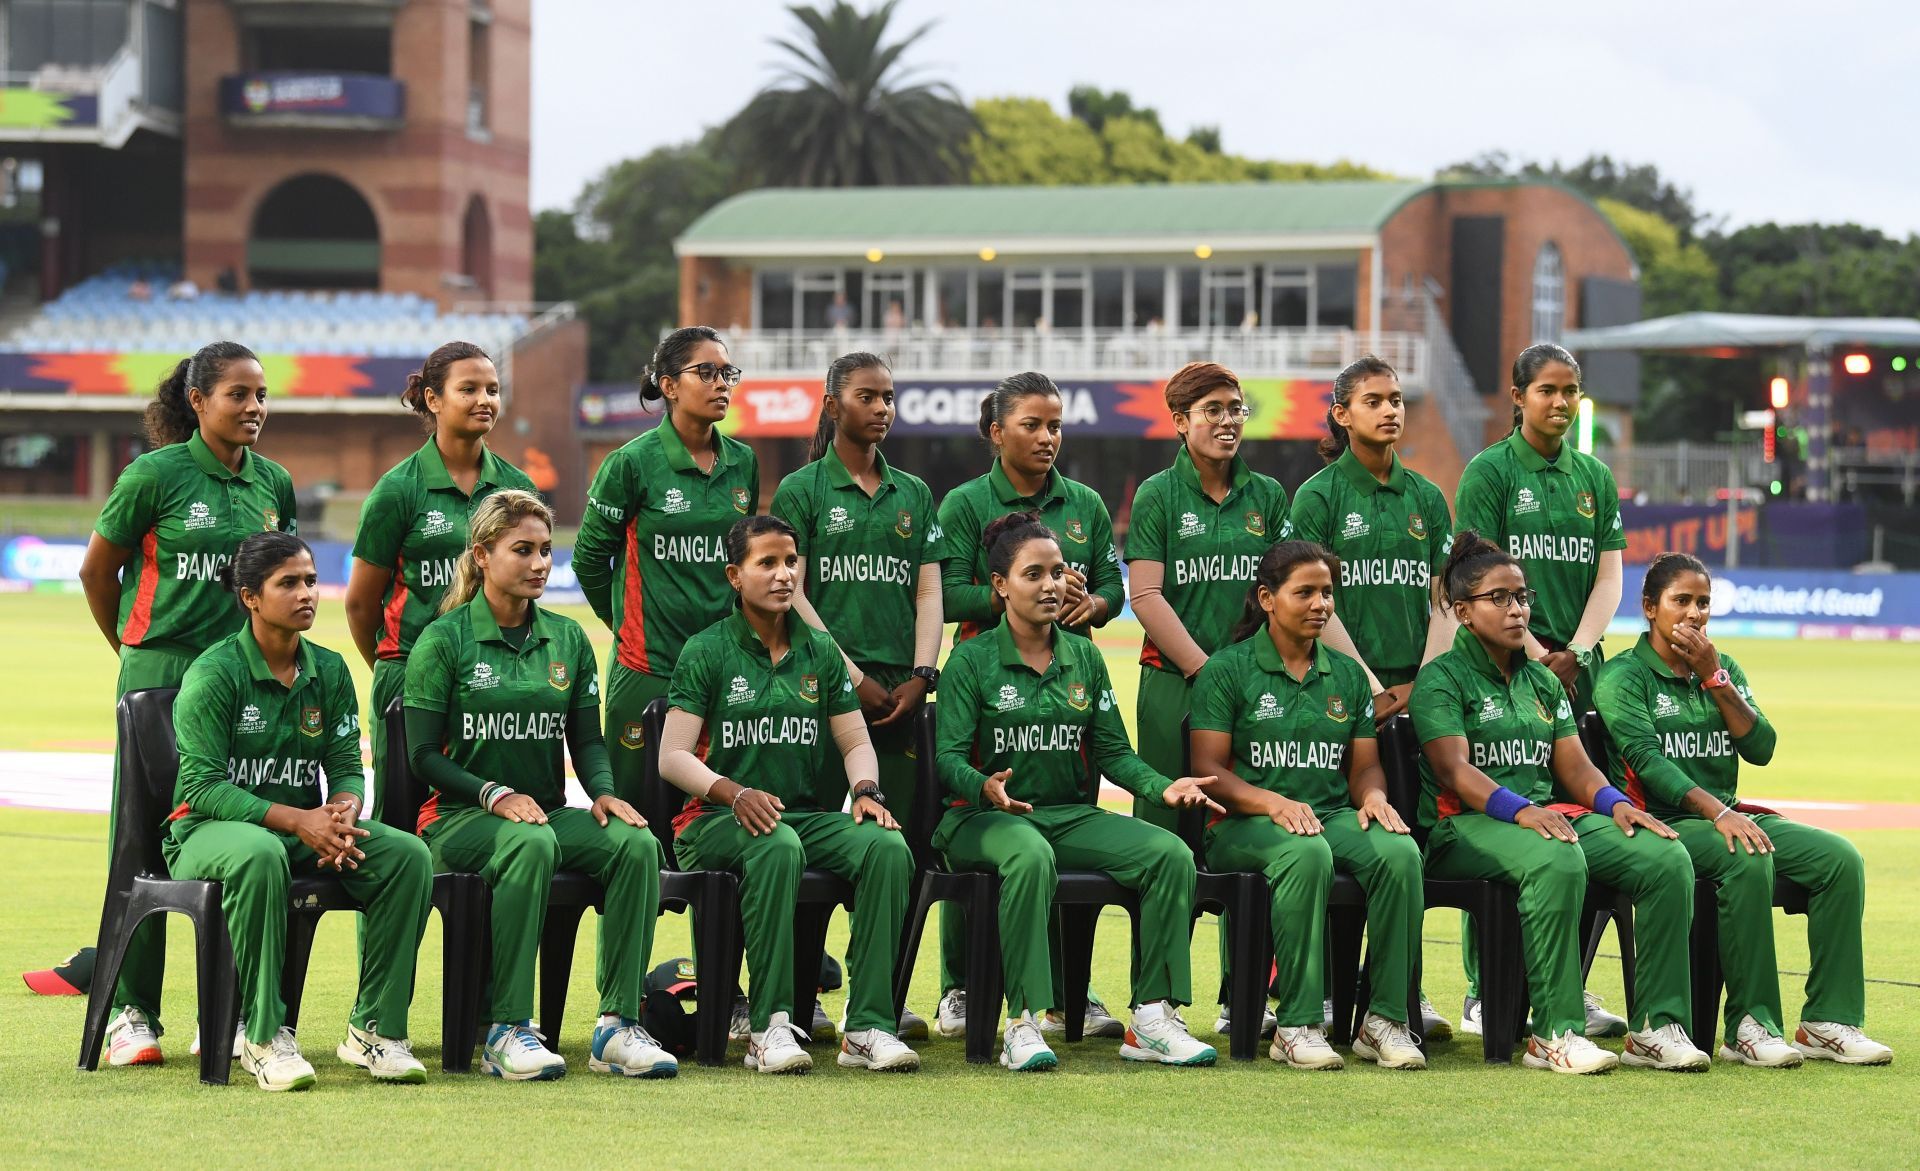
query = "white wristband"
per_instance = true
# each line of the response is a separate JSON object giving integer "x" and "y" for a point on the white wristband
{"x": 1724, "y": 810}
{"x": 494, "y": 797}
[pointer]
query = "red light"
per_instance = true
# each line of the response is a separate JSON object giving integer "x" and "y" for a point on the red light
{"x": 1778, "y": 389}
{"x": 1768, "y": 439}
{"x": 1858, "y": 364}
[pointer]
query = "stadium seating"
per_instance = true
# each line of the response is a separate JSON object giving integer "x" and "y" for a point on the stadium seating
{"x": 100, "y": 315}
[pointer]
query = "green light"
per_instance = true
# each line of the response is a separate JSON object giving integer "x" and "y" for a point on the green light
{"x": 1776, "y": 487}
{"x": 1583, "y": 435}
{"x": 1899, "y": 364}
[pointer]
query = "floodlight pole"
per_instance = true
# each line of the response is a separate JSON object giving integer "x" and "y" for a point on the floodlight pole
{"x": 1819, "y": 405}
{"x": 1733, "y": 499}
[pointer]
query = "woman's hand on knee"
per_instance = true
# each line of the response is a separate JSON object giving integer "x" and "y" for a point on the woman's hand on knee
{"x": 1627, "y": 816}
{"x": 1296, "y": 817}
{"x": 867, "y": 809}
{"x": 1741, "y": 830}
{"x": 610, "y": 806}
{"x": 520, "y": 807}
{"x": 1548, "y": 823}
{"x": 758, "y": 811}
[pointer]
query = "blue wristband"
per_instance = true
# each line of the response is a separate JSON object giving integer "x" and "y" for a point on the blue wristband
{"x": 1606, "y": 799}
{"x": 1505, "y": 804}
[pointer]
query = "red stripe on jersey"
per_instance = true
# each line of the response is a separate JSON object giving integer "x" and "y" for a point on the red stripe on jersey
{"x": 389, "y": 645}
{"x": 693, "y": 808}
{"x": 1446, "y": 803}
{"x": 1150, "y": 654}
{"x": 1636, "y": 792}
{"x": 140, "y": 618}
{"x": 967, "y": 631}
{"x": 633, "y": 615}
{"x": 179, "y": 813}
{"x": 429, "y": 812}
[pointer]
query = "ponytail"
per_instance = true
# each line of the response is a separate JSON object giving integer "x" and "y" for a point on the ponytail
{"x": 838, "y": 372}
{"x": 492, "y": 519}
{"x": 1344, "y": 384}
{"x": 432, "y": 376}
{"x": 669, "y": 356}
{"x": 169, "y": 418}
{"x": 1276, "y": 566}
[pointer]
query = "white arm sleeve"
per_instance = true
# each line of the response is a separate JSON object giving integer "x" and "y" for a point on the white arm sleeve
{"x": 678, "y": 765}
{"x": 850, "y": 736}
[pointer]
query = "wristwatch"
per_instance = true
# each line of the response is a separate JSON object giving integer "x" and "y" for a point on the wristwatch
{"x": 871, "y": 793}
{"x": 1582, "y": 655}
{"x": 1717, "y": 680}
{"x": 930, "y": 674}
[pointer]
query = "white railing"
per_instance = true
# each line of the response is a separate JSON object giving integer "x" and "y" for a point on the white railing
{"x": 1116, "y": 353}
{"x": 1684, "y": 472}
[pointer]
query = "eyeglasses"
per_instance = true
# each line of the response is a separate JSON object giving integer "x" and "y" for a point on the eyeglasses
{"x": 1502, "y": 599}
{"x": 1222, "y": 413}
{"x": 709, "y": 373}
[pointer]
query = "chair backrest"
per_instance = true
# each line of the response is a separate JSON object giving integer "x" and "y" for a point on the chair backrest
{"x": 401, "y": 793}
{"x": 1593, "y": 738}
{"x": 1400, "y": 761}
{"x": 149, "y": 766}
{"x": 660, "y": 801}
{"x": 929, "y": 801}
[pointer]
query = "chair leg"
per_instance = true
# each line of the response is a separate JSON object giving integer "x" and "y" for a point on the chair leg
{"x": 911, "y": 933}
{"x": 1077, "y": 925}
{"x": 219, "y": 994}
{"x": 110, "y": 953}
{"x": 1704, "y": 944}
{"x": 986, "y": 978}
{"x": 1629, "y": 952}
{"x": 557, "y": 937}
{"x": 301, "y": 926}
{"x": 1343, "y": 963}
{"x": 716, "y": 918}
{"x": 1251, "y": 949}
{"x": 809, "y": 940}
{"x": 462, "y": 928}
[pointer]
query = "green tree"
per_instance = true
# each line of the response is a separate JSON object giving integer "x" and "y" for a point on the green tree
{"x": 1675, "y": 276}
{"x": 1095, "y": 107}
{"x": 1597, "y": 177}
{"x": 845, "y": 111}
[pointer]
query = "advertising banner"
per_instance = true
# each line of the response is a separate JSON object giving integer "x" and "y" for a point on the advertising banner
{"x": 1795, "y": 603}
{"x": 324, "y": 95}
{"x": 137, "y": 373}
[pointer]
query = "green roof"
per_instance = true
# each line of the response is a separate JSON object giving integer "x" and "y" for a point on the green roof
{"x": 800, "y": 220}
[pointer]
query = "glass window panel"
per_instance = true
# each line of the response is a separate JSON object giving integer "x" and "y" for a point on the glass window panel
{"x": 1109, "y": 298}
{"x": 951, "y": 288}
{"x": 776, "y": 300}
{"x": 1336, "y": 285}
{"x": 1149, "y": 297}
{"x": 1190, "y": 298}
{"x": 991, "y": 299}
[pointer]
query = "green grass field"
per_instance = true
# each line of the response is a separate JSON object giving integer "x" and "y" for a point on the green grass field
{"x": 1842, "y": 716}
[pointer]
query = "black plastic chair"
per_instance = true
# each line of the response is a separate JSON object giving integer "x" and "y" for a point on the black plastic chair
{"x": 1494, "y": 906}
{"x": 1703, "y": 945}
{"x": 138, "y": 886}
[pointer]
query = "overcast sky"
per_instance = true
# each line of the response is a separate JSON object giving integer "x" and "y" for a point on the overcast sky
{"x": 1767, "y": 111}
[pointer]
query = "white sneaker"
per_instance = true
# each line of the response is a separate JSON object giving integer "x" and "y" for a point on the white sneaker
{"x": 1753, "y": 1044}
{"x": 239, "y": 1039}
{"x": 131, "y": 1039}
{"x": 913, "y": 1027}
{"x": 1568, "y": 1053}
{"x": 1600, "y": 1022}
{"x": 950, "y": 1016}
{"x": 277, "y": 1065}
{"x": 515, "y": 1052}
{"x": 777, "y": 1050}
{"x": 1159, "y": 1034}
{"x": 388, "y": 1059}
{"x": 1388, "y": 1044}
{"x": 1223, "y": 1024}
{"x": 1665, "y": 1048}
{"x": 740, "y": 1024}
{"x": 876, "y": 1049}
{"x": 1304, "y": 1047}
{"x": 621, "y": 1046}
{"x": 1099, "y": 1023}
{"x": 1469, "y": 1016}
{"x": 1433, "y": 1026}
{"x": 1846, "y": 1044}
{"x": 1025, "y": 1050}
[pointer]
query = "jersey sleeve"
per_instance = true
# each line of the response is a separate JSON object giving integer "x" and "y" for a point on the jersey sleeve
{"x": 385, "y": 516}
{"x": 1359, "y": 701}
{"x": 752, "y": 463}
{"x": 956, "y": 719}
{"x": 1624, "y": 706}
{"x": 586, "y": 672}
{"x": 131, "y": 509}
{"x": 1563, "y": 724}
{"x": 1212, "y": 704}
{"x": 931, "y": 548}
{"x": 1439, "y": 531}
{"x": 1311, "y": 512}
{"x": 962, "y": 599}
{"x": 1105, "y": 579}
{"x": 837, "y": 696}
{"x": 1756, "y": 747}
{"x": 603, "y": 526}
{"x": 346, "y": 773}
{"x": 1611, "y": 533}
{"x": 1478, "y": 500}
{"x": 289, "y": 505}
{"x": 794, "y": 504}
{"x": 1112, "y": 750}
{"x": 203, "y": 715}
{"x": 1147, "y": 524}
{"x": 692, "y": 687}
{"x": 1435, "y": 705}
{"x": 430, "y": 668}
{"x": 1283, "y": 510}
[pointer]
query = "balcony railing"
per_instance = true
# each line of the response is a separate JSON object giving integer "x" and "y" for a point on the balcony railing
{"x": 1114, "y": 353}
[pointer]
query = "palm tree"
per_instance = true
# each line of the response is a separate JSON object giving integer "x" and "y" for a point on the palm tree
{"x": 844, "y": 111}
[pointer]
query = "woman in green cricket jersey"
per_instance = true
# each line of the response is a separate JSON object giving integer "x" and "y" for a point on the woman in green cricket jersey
{"x": 1509, "y": 795}
{"x": 1557, "y": 512}
{"x": 260, "y": 716}
{"x": 1021, "y": 420}
{"x": 496, "y": 687}
{"x": 1286, "y": 725}
{"x": 1024, "y": 711}
{"x": 653, "y": 538}
{"x": 764, "y": 799}
{"x": 1682, "y": 718}
{"x": 870, "y": 565}
{"x": 413, "y": 526}
{"x": 1390, "y": 529}
{"x": 149, "y": 573}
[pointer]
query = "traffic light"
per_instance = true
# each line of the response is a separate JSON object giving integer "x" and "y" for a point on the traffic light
{"x": 1769, "y": 442}
{"x": 1777, "y": 391}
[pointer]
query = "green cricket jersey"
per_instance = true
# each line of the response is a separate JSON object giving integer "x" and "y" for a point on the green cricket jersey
{"x": 1669, "y": 735}
{"x": 1554, "y": 516}
{"x": 651, "y": 554}
{"x": 1510, "y": 725}
{"x": 414, "y": 523}
{"x": 1210, "y": 551}
{"x": 766, "y": 722}
{"x": 996, "y": 713}
{"x": 1072, "y": 510}
{"x": 1392, "y": 540}
{"x": 506, "y": 710}
{"x": 249, "y": 742}
{"x": 183, "y": 513}
{"x": 1290, "y": 736}
{"x": 862, "y": 555}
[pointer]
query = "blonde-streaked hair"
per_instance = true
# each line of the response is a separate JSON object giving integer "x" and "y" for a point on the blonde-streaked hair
{"x": 493, "y": 518}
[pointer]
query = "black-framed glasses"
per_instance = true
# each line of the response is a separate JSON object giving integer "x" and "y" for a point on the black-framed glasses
{"x": 1501, "y": 599}
{"x": 1222, "y": 413}
{"x": 711, "y": 373}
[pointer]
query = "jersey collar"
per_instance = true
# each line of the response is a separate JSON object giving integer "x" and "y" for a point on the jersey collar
{"x": 433, "y": 469}
{"x": 257, "y": 661}
{"x": 1362, "y": 479}
{"x": 839, "y": 477}
{"x": 1643, "y": 650}
{"x": 744, "y": 634}
{"x": 487, "y": 629}
{"x": 1267, "y": 656}
{"x": 210, "y": 463}
{"x": 680, "y": 460}
{"x": 1468, "y": 646}
{"x": 1524, "y": 455}
{"x": 1010, "y": 653}
{"x": 1003, "y": 488}
{"x": 1188, "y": 474}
